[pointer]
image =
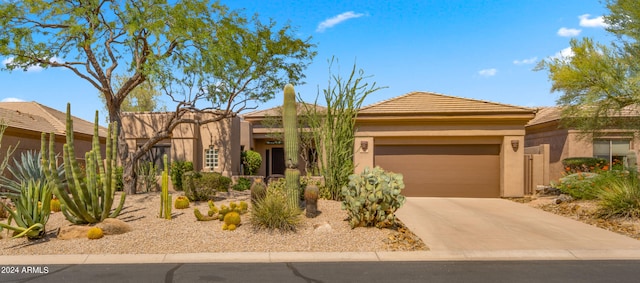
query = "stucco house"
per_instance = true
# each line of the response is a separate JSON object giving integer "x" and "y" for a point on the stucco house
{"x": 546, "y": 128}
{"x": 26, "y": 121}
{"x": 212, "y": 147}
{"x": 443, "y": 145}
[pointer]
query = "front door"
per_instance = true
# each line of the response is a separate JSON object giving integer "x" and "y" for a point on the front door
{"x": 277, "y": 160}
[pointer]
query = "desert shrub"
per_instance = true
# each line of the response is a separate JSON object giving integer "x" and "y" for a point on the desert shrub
{"x": 199, "y": 186}
{"x": 178, "y": 168}
{"x": 584, "y": 164}
{"x": 242, "y": 184}
{"x": 251, "y": 161}
{"x": 579, "y": 185}
{"x": 588, "y": 185}
{"x": 621, "y": 198}
{"x": 148, "y": 176}
{"x": 372, "y": 197}
{"x": 273, "y": 213}
{"x": 119, "y": 178}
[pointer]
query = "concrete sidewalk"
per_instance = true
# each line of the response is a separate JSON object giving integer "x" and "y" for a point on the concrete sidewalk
{"x": 455, "y": 229}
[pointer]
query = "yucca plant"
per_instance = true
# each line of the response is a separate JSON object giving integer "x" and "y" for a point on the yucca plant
{"x": 28, "y": 167}
{"x": 32, "y": 210}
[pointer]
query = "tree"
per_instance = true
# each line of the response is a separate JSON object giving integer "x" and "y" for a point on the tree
{"x": 192, "y": 49}
{"x": 145, "y": 97}
{"x": 600, "y": 81}
{"x": 334, "y": 128}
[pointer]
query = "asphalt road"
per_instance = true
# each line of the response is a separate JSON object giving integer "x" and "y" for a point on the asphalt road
{"x": 426, "y": 271}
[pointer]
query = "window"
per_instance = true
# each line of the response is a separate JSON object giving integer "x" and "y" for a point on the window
{"x": 211, "y": 157}
{"x": 614, "y": 151}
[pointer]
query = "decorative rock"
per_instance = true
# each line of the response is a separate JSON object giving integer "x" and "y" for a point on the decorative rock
{"x": 113, "y": 226}
{"x": 563, "y": 198}
{"x": 73, "y": 232}
{"x": 324, "y": 227}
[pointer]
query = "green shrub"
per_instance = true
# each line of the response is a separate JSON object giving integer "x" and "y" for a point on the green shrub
{"x": 273, "y": 213}
{"x": 178, "y": 168}
{"x": 148, "y": 176}
{"x": 200, "y": 186}
{"x": 242, "y": 184}
{"x": 251, "y": 161}
{"x": 587, "y": 185}
{"x": 621, "y": 198}
{"x": 372, "y": 197}
{"x": 584, "y": 164}
{"x": 119, "y": 178}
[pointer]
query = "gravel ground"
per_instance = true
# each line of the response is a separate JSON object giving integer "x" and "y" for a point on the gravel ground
{"x": 184, "y": 234}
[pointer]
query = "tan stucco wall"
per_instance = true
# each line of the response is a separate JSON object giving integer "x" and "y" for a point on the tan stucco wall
{"x": 189, "y": 141}
{"x": 512, "y": 167}
{"x": 451, "y": 132}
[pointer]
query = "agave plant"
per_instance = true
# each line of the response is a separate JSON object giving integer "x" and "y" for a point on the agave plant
{"x": 32, "y": 210}
{"x": 29, "y": 167}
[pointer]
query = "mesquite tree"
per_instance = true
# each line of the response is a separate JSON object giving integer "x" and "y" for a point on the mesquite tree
{"x": 191, "y": 49}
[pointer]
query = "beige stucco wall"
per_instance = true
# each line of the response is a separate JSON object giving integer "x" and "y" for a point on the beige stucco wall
{"x": 189, "y": 141}
{"x": 463, "y": 131}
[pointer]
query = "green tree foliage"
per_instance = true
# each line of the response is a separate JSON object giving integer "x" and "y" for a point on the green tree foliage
{"x": 598, "y": 82}
{"x": 193, "y": 50}
{"x": 251, "y": 161}
{"x": 334, "y": 128}
{"x": 146, "y": 97}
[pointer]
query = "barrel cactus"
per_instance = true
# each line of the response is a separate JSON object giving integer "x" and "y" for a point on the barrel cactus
{"x": 55, "y": 205}
{"x": 231, "y": 221}
{"x": 372, "y": 197}
{"x": 181, "y": 202}
{"x": 95, "y": 233}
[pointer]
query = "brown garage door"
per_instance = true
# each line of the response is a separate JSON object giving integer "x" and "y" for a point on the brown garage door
{"x": 444, "y": 170}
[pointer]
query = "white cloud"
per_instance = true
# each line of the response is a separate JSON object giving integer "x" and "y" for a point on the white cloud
{"x": 597, "y": 22}
{"x": 563, "y": 54}
{"x": 525, "y": 61}
{"x": 11, "y": 99}
{"x": 331, "y": 22}
{"x": 569, "y": 32}
{"x": 488, "y": 72}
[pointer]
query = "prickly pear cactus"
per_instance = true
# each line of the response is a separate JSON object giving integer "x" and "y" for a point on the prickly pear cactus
{"x": 372, "y": 197}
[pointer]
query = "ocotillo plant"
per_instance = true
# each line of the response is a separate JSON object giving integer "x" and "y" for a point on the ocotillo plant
{"x": 165, "y": 197}
{"x": 289, "y": 122}
{"x": 84, "y": 198}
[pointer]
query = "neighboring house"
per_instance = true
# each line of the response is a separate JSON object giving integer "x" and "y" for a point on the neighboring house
{"x": 615, "y": 145}
{"x": 26, "y": 121}
{"x": 445, "y": 146}
{"x": 212, "y": 147}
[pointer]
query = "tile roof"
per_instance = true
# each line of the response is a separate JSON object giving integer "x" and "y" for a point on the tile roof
{"x": 434, "y": 103}
{"x": 550, "y": 114}
{"x": 275, "y": 111}
{"x": 39, "y": 118}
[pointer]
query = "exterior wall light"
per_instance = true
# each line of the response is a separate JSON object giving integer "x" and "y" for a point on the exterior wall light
{"x": 515, "y": 144}
{"x": 364, "y": 145}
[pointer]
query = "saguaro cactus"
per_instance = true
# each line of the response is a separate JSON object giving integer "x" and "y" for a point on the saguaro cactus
{"x": 165, "y": 197}
{"x": 290, "y": 124}
{"x": 84, "y": 198}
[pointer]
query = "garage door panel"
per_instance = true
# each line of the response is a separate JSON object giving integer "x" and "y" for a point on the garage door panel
{"x": 444, "y": 170}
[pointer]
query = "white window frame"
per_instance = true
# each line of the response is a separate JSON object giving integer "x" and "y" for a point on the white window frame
{"x": 211, "y": 157}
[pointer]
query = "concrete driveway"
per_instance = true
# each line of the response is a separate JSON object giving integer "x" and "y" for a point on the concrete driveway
{"x": 472, "y": 224}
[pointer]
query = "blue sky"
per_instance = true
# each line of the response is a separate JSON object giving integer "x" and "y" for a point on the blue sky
{"x": 468, "y": 48}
